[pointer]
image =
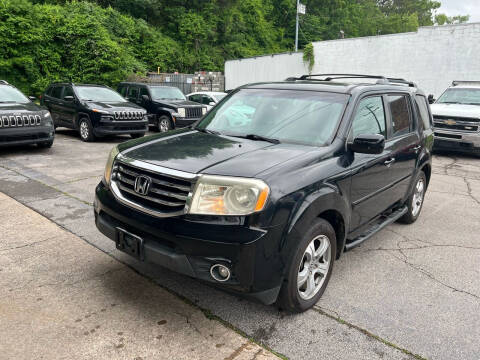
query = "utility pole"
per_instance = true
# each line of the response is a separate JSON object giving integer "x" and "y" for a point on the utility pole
{"x": 296, "y": 32}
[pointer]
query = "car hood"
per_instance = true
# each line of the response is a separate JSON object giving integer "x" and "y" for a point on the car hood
{"x": 458, "y": 110}
{"x": 177, "y": 103}
{"x": 196, "y": 152}
{"x": 113, "y": 106}
{"x": 13, "y": 108}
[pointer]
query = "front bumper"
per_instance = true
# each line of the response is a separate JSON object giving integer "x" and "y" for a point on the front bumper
{"x": 26, "y": 135}
{"x": 191, "y": 245}
{"x": 456, "y": 140}
{"x": 182, "y": 122}
{"x": 120, "y": 127}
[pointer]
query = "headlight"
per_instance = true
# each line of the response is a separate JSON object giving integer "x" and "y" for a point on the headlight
{"x": 108, "y": 168}
{"x": 220, "y": 195}
{"x": 204, "y": 111}
{"x": 46, "y": 115}
{"x": 181, "y": 112}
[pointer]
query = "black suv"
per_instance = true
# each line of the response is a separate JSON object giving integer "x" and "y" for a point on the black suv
{"x": 22, "y": 121}
{"x": 167, "y": 106}
{"x": 273, "y": 184}
{"x": 94, "y": 110}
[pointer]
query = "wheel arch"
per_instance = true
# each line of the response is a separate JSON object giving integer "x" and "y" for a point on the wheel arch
{"x": 82, "y": 115}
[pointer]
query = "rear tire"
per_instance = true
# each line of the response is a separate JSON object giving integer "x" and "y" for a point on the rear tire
{"x": 310, "y": 267}
{"x": 415, "y": 200}
{"x": 164, "y": 124}
{"x": 86, "y": 130}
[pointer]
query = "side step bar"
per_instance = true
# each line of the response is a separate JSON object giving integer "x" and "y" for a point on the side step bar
{"x": 390, "y": 219}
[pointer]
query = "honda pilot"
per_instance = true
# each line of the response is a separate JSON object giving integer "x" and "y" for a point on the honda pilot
{"x": 263, "y": 194}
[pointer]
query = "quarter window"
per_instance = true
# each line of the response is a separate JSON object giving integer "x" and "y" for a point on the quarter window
{"x": 370, "y": 117}
{"x": 132, "y": 93}
{"x": 424, "y": 113}
{"x": 144, "y": 91}
{"x": 401, "y": 119}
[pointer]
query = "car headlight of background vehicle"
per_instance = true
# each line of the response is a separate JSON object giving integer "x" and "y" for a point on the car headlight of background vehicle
{"x": 204, "y": 110}
{"x": 181, "y": 112}
{"x": 221, "y": 195}
{"x": 108, "y": 168}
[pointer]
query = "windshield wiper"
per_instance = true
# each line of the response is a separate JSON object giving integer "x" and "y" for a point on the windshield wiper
{"x": 257, "y": 138}
{"x": 7, "y": 102}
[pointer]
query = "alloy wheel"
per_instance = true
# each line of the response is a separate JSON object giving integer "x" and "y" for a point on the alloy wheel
{"x": 418, "y": 196}
{"x": 84, "y": 130}
{"x": 314, "y": 267}
{"x": 164, "y": 125}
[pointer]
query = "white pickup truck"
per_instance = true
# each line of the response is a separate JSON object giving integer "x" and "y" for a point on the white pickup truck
{"x": 456, "y": 116}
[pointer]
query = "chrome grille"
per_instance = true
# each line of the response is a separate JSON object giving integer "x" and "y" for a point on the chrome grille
{"x": 456, "y": 123}
{"x": 20, "y": 120}
{"x": 129, "y": 115}
{"x": 193, "y": 112}
{"x": 165, "y": 194}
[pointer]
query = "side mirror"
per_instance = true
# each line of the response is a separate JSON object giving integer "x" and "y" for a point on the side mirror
{"x": 145, "y": 98}
{"x": 211, "y": 103}
{"x": 431, "y": 99}
{"x": 32, "y": 98}
{"x": 368, "y": 144}
{"x": 69, "y": 98}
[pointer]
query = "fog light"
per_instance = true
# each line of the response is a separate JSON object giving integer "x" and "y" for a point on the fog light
{"x": 220, "y": 272}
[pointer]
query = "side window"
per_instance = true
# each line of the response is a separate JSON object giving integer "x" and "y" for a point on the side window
{"x": 206, "y": 100}
{"x": 197, "y": 98}
{"x": 424, "y": 113}
{"x": 132, "y": 93}
{"x": 144, "y": 91}
{"x": 123, "y": 91}
{"x": 401, "y": 119}
{"x": 68, "y": 92}
{"x": 57, "y": 92}
{"x": 370, "y": 117}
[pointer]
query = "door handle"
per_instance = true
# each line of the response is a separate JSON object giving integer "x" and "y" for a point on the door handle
{"x": 389, "y": 163}
{"x": 417, "y": 148}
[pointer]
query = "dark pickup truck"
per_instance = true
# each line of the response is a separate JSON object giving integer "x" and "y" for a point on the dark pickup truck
{"x": 273, "y": 184}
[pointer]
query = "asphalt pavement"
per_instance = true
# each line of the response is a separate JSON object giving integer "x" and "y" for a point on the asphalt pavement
{"x": 411, "y": 291}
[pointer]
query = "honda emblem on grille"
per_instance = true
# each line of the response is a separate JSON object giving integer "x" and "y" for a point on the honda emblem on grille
{"x": 142, "y": 184}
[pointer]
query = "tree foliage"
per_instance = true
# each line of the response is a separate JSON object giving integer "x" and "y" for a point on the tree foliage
{"x": 105, "y": 41}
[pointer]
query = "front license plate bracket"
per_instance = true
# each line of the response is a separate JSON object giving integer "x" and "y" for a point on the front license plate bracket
{"x": 129, "y": 243}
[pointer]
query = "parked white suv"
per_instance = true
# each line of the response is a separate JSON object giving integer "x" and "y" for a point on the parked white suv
{"x": 456, "y": 116}
{"x": 208, "y": 98}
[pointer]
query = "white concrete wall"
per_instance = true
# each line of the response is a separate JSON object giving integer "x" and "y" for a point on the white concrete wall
{"x": 432, "y": 57}
{"x": 263, "y": 68}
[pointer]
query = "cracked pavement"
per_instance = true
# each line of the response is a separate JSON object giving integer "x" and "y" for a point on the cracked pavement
{"x": 411, "y": 291}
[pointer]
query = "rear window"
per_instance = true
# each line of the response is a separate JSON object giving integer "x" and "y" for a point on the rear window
{"x": 424, "y": 113}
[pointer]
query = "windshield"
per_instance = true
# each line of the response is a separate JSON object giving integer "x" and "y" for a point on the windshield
{"x": 166, "y": 93}
{"x": 9, "y": 94}
{"x": 303, "y": 117}
{"x": 460, "y": 96}
{"x": 100, "y": 94}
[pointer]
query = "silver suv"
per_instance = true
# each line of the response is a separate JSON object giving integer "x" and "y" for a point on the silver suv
{"x": 456, "y": 116}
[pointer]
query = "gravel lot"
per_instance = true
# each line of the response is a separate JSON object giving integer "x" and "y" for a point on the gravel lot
{"x": 411, "y": 291}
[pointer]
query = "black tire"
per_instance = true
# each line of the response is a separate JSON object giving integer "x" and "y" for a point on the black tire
{"x": 45, "y": 145}
{"x": 164, "y": 123}
{"x": 289, "y": 298}
{"x": 137, "y": 136}
{"x": 86, "y": 130}
{"x": 414, "y": 210}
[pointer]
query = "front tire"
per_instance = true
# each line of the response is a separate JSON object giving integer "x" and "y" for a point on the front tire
{"x": 164, "y": 124}
{"x": 415, "y": 200}
{"x": 310, "y": 268}
{"x": 86, "y": 130}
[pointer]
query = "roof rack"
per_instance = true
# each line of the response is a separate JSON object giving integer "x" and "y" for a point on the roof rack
{"x": 465, "y": 82}
{"x": 3, "y": 82}
{"x": 382, "y": 80}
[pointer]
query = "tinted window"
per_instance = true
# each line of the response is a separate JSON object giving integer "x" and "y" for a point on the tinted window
{"x": 370, "y": 117}
{"x": 303, "y": 117}
{"x": 424, "y": 113}
{"x": 67, "y": 92}
{"x": 144, "y": 91}
{"x": 132, "y": 93}
{"x": 123, "y": 91}
{"x": 401, "y": 120}
{"x": 206, "y": 100}
{"x": 57, "y": 92}
{"x": 197, "y": 98}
